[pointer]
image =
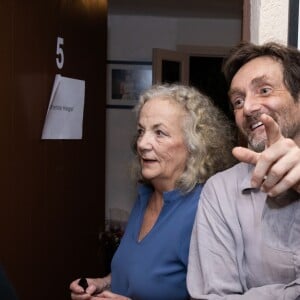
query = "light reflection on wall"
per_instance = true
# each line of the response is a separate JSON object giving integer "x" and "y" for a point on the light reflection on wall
{"x": 88, "y": 5}
{"x": 93, "y": 4}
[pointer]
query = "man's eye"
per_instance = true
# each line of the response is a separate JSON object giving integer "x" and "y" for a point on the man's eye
{"x": 237, "y": 103}
{"x": 265, "y": 90}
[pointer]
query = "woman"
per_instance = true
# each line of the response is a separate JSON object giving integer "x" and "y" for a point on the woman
{"x": 182, "y": 139}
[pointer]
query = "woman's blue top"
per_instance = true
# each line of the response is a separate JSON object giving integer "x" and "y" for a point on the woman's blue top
{"x": 155, "y": 268}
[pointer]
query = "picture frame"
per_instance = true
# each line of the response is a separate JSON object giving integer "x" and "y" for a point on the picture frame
{"x": 126, "y": 81}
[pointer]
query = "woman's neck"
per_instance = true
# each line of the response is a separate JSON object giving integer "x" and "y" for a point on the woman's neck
{"x": 156, "y": 201}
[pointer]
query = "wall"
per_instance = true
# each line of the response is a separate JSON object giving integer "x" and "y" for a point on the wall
{"x": 52, "y": 191}
{"x": 269, "y": 21}
{"x": 131, "y": 38}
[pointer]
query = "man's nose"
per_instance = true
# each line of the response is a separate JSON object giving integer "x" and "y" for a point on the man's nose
{"x": 252, "y": 104}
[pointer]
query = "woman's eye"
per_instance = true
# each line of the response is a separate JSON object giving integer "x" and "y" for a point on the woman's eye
{"x": 140, "y": 132}
{"x": 159, "y": 133}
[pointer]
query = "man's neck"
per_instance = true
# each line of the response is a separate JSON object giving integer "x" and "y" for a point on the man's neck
{"x": 297, "y": 140}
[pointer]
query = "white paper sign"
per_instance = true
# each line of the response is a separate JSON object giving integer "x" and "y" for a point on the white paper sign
{"x": 65, "y": 111}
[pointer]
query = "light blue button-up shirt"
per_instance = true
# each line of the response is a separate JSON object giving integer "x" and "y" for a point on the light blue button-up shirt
{"x": 244, "y": 244}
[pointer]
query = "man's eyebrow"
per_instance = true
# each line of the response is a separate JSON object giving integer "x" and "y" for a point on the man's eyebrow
{"x": 259, "y": 80}
{"x": 234, "y": 91}
{"x": 254, "y": 82}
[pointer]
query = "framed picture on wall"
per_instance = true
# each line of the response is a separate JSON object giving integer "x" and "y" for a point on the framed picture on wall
{"x": 126, "y": 81}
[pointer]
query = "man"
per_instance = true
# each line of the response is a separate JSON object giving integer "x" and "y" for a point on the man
{"x": 246, "y": 237}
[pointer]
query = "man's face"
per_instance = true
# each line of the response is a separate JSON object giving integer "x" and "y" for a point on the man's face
{"x": 258, "y": 88}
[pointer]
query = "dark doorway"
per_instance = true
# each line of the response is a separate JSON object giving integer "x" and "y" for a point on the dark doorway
{"x": 206, "y": 75}
{"x": 171, "y": 71}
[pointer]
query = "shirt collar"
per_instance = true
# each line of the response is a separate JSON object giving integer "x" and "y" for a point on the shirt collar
{"x": 170, "y": 196}
{"x": 246, "y": 182}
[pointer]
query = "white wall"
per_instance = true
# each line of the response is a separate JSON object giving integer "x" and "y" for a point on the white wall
{"x": 269, "y": 21}
{"x": 120, "y": 189}
{"x": 131, "y": 38}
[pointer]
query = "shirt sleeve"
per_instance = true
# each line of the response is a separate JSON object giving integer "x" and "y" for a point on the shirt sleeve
{"x": 214, "y": 260}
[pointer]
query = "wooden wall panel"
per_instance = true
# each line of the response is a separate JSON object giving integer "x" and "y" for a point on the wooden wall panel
{"x": 52, "y": 192}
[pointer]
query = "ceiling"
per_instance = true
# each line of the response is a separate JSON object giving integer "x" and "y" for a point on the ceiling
{"x": 231, "y": 9}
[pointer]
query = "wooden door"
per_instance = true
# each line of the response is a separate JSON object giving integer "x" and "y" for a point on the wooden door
{"x": 52, "y": 191}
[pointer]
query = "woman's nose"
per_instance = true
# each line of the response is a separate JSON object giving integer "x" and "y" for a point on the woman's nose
{"x": 144, "y": 142}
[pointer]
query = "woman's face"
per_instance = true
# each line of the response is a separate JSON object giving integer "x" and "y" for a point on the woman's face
{"x": 160, "y": 144}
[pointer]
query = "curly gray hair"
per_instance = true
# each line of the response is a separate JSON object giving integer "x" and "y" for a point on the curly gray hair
{"x": 209, "y": 136}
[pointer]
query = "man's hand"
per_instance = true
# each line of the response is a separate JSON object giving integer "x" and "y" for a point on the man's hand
{"x": 277, "y": 168}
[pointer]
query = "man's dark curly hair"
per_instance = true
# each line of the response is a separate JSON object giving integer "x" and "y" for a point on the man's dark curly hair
{"x": 288, "y": 57}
